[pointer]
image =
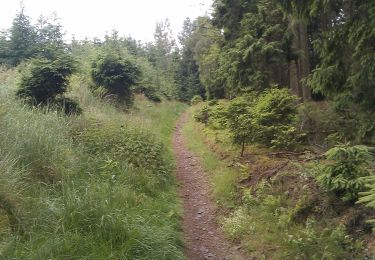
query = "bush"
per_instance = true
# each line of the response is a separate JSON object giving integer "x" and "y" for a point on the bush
{"x": 202, "y": 115}
{"x": 275, "y": 112}
{"x": 239, "y": 119}
{"x": 196, "y": 99}
{"x": 152, "y": 94}
{"x": 368, "y": 197}
{"x": 68, "y": 106}
{"x": 345, "y": 171}
{"x": 116, "y": 74}
{"x": 213, "y": 102}
{"x": 44, "y": 79}
{"x": 267, "y": 119}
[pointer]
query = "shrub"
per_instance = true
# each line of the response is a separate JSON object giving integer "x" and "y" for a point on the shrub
{"x": 115, "y": 74}
{"x": 213, "y": 102}
{"x": 196, "y": 99}
{"x": 267, "y": 119}
{"x": 152, "y": 94}
{"x": 68, "y": 106}
{"x": 329, "y": 243}
{"x": 274, "y": 113}
{"x": 368, "y": 197}
{"x": 344, "y": 171}
{"x": 202, "y": 115}
{"x": 239, "y": 119}
{"x": 44, "y": 79}
{"x": 127, "y": 144}
{"x": 238, "y": 223}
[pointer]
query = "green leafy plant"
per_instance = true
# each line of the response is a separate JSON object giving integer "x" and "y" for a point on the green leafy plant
{"x": 202, "y": 115}
{"x": 68, "y": 106}
{"x": 344, "y": 171}
{"x": 196, "y": 99}
{"x": 43, "y": 79}
{"x": 267, "y": 119}
{"x": 274, "y": 115}
{"x": 239, "y": 121}
{"x": 311, "y": 243}
{"x": 116, "y": 74}
{"x": 368, "y": 197}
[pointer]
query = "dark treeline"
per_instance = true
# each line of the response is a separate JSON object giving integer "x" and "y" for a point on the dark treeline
{"x": 320, "y": 50}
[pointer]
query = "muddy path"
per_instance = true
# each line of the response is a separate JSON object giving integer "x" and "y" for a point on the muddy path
{"x": 203, "y": 238}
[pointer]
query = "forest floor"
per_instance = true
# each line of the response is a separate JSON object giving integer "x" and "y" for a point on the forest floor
{"x": 202, "y": 235}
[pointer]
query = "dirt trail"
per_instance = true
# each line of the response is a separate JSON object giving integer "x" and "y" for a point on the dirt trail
{"x": 202, "y": 235}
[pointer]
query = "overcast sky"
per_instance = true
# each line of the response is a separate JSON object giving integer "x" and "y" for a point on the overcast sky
{"x": 92, "y": 18}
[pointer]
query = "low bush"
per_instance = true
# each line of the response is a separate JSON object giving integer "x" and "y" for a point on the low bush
{"x": 126, "y": 143}
{"x": 196, "y": 99}
{"x": 368, "y": 197}
{"x": 116, "y": 74}
{"x": 42, "y": 79}
{"x": 343, "y": 173}
{"x": 67, "y": 105}
{"x": 268, "y": 119}
{"x": 202, "y": 115}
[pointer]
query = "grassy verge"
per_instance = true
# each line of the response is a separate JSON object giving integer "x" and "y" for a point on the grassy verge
{"x": 95, "y": 186}
{"x": 272, "y": 206}
{"x": 224, "y": 178}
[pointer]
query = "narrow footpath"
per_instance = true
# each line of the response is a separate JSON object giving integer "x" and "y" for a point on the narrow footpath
{"x": 203, "y": 238}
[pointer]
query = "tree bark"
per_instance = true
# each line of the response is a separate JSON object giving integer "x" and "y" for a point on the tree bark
{"x": 299, "y": 68}
{"x": 304, "y": 61}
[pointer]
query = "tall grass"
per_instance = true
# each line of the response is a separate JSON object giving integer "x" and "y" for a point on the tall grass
{"x": 95, "y": 186}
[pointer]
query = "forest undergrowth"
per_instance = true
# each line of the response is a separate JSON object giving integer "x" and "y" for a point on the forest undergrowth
{"x": 271, "y": 203}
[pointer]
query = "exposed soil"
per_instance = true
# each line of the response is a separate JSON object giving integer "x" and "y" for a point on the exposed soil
{"x": 202, "y": 235}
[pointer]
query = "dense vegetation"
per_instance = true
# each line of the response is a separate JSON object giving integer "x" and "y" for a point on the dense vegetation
{"x": 96, "y": 185}
{"x": 290, "y": 84}
{"x": 283, "y": 90}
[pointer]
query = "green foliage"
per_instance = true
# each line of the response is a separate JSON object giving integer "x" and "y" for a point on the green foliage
{"x": 70, "y": 189}
{"x": 44, "y": 79}
{"x": 266, "y": 119}
{"x": 125, "y": 143}
{"x": 330, "y": 243}
{"x": 237, "y": 224}
{"x": 37, "y": 141}
{"x": 196, "y": 99}
{"x": 274, "y": 115}
{"x": 188, "y": 82}
{"x": 67, "y": 105}
{"x": 24, "y": 40}
{"x": 202, "y": 115}
{"x": 151, "y": 94}
{"x": 116, "y": 74}
{"x": 239, "y": 120}
{"x": 368, "y": 197}
{"x": 344, "y": 172}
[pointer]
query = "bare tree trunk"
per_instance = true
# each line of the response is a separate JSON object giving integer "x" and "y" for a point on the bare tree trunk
{"x": 293, "y": 79}
{"x": 304, "y": 60}
{"x": 294, "y": 64}
{"x": 242, "y": 148}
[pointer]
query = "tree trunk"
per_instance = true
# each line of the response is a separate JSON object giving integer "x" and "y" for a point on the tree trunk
{"x": 293, "y": 64}
{"x": 304, "y": 60}
{"x": 293, "y": 79}
{"x": 242, "y": 148}
{"x": 299, "y": 68}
